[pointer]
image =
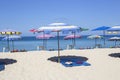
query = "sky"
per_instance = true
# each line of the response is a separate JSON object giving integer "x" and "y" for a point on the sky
{"x": 23, "y": 15}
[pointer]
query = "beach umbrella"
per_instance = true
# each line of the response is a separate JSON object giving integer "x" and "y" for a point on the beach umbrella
{"x": 45, "y": 37}
{"x": 114, "y": 30}
{"x": 102, "y": 28}
{"x": 95, "y": 37}
{"x": 33, "y": 30}
{"x": 12, "y": 38}
{"x": 114, "y": 39}
{"x": 58, "y": 27}
{"x": 72, "y": 37}
{"x": 7, "y": 33}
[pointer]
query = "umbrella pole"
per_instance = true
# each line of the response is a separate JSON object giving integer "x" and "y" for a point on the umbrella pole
{"x": 13, "y": 44}
{"x": 72, "y": 43}
{"x": 95, "y": 42}
{"x": 46, "y": 44}
{"x": 58, "y": 47}
{"x": 115, "y": 42}
{"x": 74, "y": 40}
{"x": 104, "y": 38}
{"x": 8, "y": 42}
{"x": 43, "y": 40}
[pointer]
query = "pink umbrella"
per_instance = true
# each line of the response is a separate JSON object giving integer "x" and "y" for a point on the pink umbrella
{"x": 33, "y": 30}
{"x": 45, "y": 37}
{"x": 73, "y": 36}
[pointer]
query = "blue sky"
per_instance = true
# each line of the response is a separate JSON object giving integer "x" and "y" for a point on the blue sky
{"x": 23, "y": 15}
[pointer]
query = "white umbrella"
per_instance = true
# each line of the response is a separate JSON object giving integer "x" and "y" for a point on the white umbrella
{"x": 114, "y": 30}
{"x": 114, "y": 39}
{"x": 95, "y": 37}
{"x": 58, "y": 27}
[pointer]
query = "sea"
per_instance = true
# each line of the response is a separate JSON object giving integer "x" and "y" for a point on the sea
{"x": 30, "y": 43}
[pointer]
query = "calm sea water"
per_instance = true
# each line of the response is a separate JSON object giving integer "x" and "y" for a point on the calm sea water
{"x": 30, "y": 43}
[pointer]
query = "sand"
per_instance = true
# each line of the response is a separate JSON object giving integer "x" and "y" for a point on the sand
{"x": 34, "y": 65}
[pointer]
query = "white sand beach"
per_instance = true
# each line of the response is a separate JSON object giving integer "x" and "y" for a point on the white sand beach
{"x": 33, "y": 65}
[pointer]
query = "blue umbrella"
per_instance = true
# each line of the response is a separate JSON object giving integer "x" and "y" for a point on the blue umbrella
{"x": 12, "y": 38}
{"x": 102, "y": 28}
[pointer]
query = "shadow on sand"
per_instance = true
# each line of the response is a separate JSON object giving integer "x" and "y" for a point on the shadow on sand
{"x": 70, "y": 61}
{"x": 68, "y": 57}
{"x": 6, "y": 61}
{"x": 116, "y": 55}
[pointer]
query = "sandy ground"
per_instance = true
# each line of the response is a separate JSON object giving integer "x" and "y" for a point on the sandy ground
{"x": 33, "y": 65}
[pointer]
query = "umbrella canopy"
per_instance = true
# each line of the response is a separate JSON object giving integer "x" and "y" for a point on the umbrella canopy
{"x": 9, "y": 32}
{"x": 114, "y": 28}
{"x": 72, "y": 36}
{"x": 114, "y": 39}
{"x": 33, "y": 30}
{"x": 95, "y": 37}
{"x": 102, "y": 28}
{"x": 12, "y": 38}
{"x": 57, "y": 27}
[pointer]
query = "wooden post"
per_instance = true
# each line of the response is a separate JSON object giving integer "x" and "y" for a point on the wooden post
{"x": 8, "y": 43}
{"x": 58, "y": 47}
{"x": 104, "y": 38}
{"x": 13, "y": 44}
